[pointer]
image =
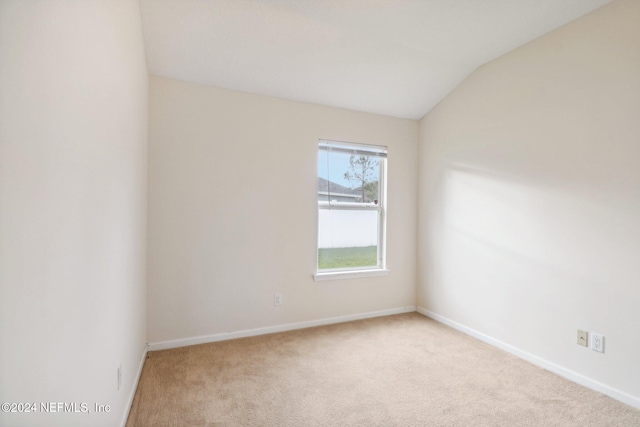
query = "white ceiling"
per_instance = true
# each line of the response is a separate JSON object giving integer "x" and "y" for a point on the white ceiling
{"x": 393, "y": 57}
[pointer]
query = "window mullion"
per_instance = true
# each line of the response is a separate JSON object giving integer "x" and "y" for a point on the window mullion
{"x": 350, "y": 208}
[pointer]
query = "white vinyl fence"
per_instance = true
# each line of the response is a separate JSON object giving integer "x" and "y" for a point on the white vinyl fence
{"x": 347, "y": 228}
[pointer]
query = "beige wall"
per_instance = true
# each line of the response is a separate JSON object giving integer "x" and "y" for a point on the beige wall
{"x": 232, "y": 211}
{"x": 529, "y": 224}
{"x": 73, "y": 131}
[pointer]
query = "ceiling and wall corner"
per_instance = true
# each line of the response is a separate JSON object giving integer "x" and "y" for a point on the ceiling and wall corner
{"x": 386, "y": 57}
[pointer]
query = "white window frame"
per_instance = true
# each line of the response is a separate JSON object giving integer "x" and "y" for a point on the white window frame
{"x": 381, "y": 208}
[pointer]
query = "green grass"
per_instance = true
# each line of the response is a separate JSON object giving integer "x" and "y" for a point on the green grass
{"x": 365, "y": 256}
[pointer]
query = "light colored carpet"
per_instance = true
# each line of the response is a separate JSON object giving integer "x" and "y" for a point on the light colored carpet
{"x": 404, "y": 370}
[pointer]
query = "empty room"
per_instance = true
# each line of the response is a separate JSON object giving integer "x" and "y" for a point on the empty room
{"x": 319, "y": 213}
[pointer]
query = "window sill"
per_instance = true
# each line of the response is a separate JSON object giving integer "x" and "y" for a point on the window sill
{"x": 353, "y": 274}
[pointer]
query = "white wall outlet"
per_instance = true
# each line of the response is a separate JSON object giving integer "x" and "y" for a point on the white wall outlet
{"x": 277, "y": 299}
{"x": 119, "y": 376}
{"x": 597, "y": 342}
{"x": 583, "y": 338}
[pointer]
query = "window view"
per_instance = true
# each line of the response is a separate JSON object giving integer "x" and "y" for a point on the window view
{"x": 351, "y": 206}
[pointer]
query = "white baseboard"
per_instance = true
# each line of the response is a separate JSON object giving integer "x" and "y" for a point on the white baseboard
{"x": 164, "y": 345}
{"x": 538, "y": 361}
{"x": 132, "y": 393}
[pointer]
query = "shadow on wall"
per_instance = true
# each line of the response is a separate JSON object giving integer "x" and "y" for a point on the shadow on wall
{"x": 504, "y": 245}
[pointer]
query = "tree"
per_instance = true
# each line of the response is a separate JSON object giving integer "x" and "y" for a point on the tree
{"x": 362, "y": 169}
{"x": 371, "y": 190}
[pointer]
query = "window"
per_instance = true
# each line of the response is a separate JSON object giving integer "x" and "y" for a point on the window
{"x": 351, "y": 210}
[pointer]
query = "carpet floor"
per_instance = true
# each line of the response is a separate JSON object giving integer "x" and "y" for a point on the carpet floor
{"x": 403, "y": 370}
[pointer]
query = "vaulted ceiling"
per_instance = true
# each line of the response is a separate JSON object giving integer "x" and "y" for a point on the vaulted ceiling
{"x": 393, "y": 57}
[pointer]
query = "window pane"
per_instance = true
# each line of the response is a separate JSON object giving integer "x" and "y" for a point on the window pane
{"x": 348, "y": 178}
{"x": 347, "y": 238}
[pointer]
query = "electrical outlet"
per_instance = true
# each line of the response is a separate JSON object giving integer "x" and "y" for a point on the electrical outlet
{"x": 597, "y": 342}
{"x": 119, "y": 376}
{"x": 583, "y": 338}
{"x": 277, "y": 299}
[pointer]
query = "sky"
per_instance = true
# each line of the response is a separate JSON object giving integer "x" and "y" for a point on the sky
{"x": 338, "y": 164}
